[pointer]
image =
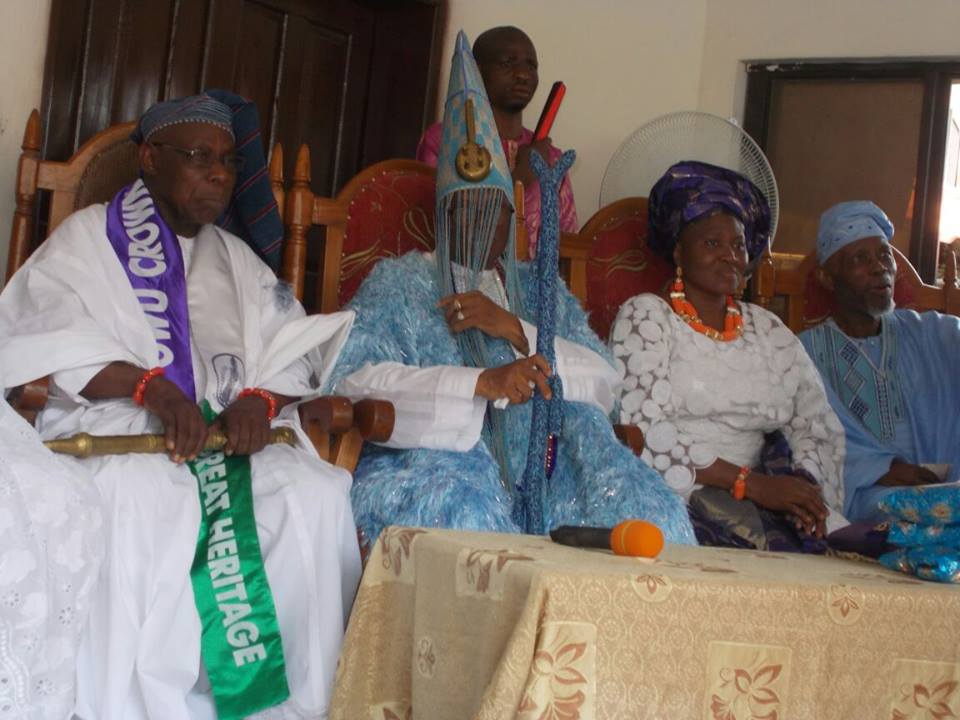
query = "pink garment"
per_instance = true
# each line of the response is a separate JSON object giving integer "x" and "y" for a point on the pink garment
{"x": 429, "y": 149}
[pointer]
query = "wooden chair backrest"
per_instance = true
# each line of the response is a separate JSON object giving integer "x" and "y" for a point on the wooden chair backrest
{"x": 384, "y": 211}
{"x": 94, "y": 174}
{"x": 104, "y": 164}
{"x": 787, "y": 284}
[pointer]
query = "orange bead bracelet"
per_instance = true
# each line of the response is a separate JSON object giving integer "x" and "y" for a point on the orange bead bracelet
{"x": 141, "y": 386}
{"x": 739, "y": 489}
{"x": 265, "y": 395}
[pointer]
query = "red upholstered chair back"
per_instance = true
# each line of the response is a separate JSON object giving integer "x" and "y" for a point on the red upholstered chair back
{"x": 384, "y": 211}
{"x": 619, "y": 265}
{"x": 389, "y": 215}
{"x": 387, "y": 210}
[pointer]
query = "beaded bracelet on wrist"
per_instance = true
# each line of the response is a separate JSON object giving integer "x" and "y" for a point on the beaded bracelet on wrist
{"x": 266, "y": 395}
{"x": 141, "y": 387}
{"x": 739, "y": 489}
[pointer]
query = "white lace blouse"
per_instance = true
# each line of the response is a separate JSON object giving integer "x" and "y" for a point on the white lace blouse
{"x": 698, "y": 400}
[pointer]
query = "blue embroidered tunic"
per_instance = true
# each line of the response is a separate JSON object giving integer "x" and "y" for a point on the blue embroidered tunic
{"x": 897, "y": 395}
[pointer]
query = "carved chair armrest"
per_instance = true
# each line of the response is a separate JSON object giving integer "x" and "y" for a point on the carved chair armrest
{"x": 327, "y": 414}
{"x": 30, "y": 398}
{"x": 631, "y": 436}
{"x": 374, "y": 419}
{"x": 338, "y": 428}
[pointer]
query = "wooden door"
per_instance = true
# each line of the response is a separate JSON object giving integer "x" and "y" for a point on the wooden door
{"x": 354, "y": 79}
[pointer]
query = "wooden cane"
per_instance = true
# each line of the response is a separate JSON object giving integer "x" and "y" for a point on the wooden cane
{"x": 84, "y": 445}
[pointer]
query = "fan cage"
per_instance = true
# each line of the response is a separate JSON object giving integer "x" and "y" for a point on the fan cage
{"x": 651, "y": 149}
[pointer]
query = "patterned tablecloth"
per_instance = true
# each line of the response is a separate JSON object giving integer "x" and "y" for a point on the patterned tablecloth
{"x": 470, "y": 625}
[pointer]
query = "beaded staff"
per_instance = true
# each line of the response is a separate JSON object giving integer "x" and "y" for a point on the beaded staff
{"x": 547, "y": 422}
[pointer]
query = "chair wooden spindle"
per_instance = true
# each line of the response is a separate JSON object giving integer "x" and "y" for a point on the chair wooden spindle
{"x": 276, "y": 177}
{"x": 764, "y": 280}
{"x": 950, "y": 290}
{"x": 523, "y": 242}
{"x": 299, "y": 204}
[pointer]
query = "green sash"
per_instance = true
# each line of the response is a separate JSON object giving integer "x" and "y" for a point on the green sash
{"x": 240, "y": 643}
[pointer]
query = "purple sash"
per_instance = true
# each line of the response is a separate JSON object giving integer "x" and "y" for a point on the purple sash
{"x": 151, "y": 257}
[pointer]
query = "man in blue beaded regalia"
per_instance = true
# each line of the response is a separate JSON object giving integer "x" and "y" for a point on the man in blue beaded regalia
{"x": 448, "y": 338}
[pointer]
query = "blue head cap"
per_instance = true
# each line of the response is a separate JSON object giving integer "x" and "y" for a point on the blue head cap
{"x": 848, "y": 222}
{"x": 201, "y": 108}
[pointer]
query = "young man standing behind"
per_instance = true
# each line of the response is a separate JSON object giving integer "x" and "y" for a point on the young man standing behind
{"x": 508, "y": 64}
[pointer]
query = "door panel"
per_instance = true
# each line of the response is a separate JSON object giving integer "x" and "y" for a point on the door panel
{"x": 316, "y": 70}
{"x": 353, "y": 79}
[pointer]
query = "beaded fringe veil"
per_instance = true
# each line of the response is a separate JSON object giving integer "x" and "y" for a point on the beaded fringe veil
{"x": 466, "y": 222}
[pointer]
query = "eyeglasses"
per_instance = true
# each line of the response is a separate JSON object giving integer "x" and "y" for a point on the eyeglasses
{"x": 204, "y": 158}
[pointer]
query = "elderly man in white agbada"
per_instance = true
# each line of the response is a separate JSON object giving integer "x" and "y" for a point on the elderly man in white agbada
{"x": 228, "y": 577}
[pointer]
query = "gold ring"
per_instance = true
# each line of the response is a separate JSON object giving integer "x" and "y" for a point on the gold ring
{"x": 457, "y": 306}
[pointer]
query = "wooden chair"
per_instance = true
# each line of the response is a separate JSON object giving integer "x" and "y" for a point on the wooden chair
{"x": 786, "y": 284}
{"x": 607, "y": 263}
{"x": 97, "y": 171}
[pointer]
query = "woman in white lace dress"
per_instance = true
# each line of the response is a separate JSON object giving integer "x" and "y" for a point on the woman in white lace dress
{"x": 51, "y": 545}
{"x": 709, "y": 379}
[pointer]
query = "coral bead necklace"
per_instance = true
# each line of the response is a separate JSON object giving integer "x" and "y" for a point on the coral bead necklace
{"x": 732, "y": 321}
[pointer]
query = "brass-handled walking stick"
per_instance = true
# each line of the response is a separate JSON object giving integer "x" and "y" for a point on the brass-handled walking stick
{"x": 84, "y": 445}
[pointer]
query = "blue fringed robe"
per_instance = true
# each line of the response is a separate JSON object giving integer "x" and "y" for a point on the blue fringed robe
{"x": 597, "y": 481}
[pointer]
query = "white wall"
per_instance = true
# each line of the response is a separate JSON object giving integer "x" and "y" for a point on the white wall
{"x": 627, "y": 61}
{"x": 23, "y": 42}
{"x": 739, "y": 30}
{"x": 624, "y": 62}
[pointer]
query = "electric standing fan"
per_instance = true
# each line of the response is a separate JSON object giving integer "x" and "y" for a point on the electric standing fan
{"x": 651, "y": 149}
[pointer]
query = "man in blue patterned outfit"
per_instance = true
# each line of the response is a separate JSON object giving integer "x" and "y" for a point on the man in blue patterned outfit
{"x": 447, "y": 337}
{"x": 888, "y": 373}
